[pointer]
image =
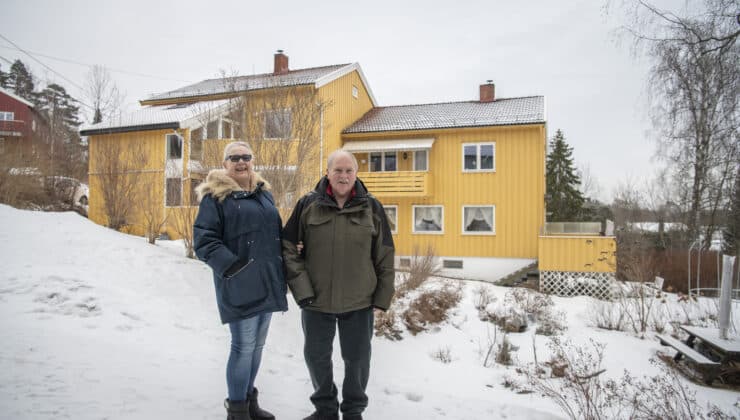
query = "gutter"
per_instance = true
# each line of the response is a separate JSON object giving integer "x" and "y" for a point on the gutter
{"x": 128, "y": 129}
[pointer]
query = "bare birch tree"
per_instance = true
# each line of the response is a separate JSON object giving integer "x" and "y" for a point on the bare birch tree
{"x": 693, "y": 84}
{"x": 102, "y": 94}
{"x": 118, "y": 169}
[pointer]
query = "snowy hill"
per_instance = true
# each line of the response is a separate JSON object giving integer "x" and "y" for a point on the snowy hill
{"x": 97, "y": 324}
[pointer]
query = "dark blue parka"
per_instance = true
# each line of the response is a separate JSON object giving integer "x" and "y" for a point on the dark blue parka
{"x": 237, "y": 233}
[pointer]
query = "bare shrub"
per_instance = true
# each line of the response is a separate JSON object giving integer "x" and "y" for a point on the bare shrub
{"x": 551, "y": 323}
{"x": 151, "y": 208}
{"x": 430, "y": 307}
{"x": 483, "y": 297}
{"x": 117, "y": 171}
{"x": 183, "y": 221}
{"x": 573, "y": 383}
{"x": 487, "y": 351}
{"x": 503, "y": 356}
{"x": 386, "y": 325}
{"x": 521, "y": 306}
{"x": 606, "y": 315}
{"x": 423, "y": 266}
{"x": 443, "y": 354}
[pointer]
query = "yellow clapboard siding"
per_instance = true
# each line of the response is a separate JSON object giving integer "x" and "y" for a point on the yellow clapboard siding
{"x": 578, "y": 253}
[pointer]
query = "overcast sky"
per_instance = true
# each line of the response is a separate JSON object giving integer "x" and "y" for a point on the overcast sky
{"x": 410, "y": 51}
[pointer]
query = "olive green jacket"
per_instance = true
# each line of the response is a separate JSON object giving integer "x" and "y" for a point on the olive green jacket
{"x": 347, "y": 260}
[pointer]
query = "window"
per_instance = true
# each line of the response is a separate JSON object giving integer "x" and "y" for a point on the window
{"x": 226, "y": 130}
{"x": 479, "y": 220}
{"x": 391, "y": 212}
{"x": 193, "y": 196}
{"x": 355, "y": 91}
{"x": 196, "y": 144}
{"x": 212, "y": 130}
{"x": 174, "y": 192}
{"x": 479, "y": 157}
{"x": 174, "y": 146}
{"x": 428, "y": 219}
{"x": 421, "y": 160}
{"x": 383, "y": 161}
{"x": 7, "y": 116}
{"x": 277, "y": 124}
{"x": 404, "y": 262}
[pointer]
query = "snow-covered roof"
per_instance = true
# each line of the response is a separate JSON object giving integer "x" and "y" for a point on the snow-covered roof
{"x": 16, "y": 97}
{"x": 505, "y": 111}
{"x": 157, "y": 117}
{"x": 317, "y": 76}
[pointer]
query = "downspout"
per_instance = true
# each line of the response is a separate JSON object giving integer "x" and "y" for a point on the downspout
{"x": 321, "y": 140}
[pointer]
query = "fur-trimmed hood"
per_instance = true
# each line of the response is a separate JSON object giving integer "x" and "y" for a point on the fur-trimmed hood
{"x": 220, "y": 185}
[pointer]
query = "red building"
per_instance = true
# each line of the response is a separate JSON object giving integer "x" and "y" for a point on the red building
{"x": 20, "y": 127}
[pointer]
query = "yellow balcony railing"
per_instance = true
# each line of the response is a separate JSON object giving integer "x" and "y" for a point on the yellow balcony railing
{"x": 397, "y": 184}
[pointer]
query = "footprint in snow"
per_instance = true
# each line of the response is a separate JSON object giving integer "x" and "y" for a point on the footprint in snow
{"x": 412, "y": 396}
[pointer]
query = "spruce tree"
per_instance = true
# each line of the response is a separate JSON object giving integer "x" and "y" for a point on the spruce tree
{"x": 564, "y": 199}
{"x": 20, "y": 81}
{"x": 3, "y": 78}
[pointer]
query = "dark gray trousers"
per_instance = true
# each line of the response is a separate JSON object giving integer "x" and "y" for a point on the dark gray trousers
{"x": 355, "y": 333}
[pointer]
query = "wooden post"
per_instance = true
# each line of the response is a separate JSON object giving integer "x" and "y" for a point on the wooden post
{"x": 725, "y": 299}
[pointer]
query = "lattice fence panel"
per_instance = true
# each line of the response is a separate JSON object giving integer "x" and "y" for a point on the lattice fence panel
{"x": 568, "y": 283}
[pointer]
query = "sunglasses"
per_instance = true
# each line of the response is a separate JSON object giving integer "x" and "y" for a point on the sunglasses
{"x": 236, "y": 158}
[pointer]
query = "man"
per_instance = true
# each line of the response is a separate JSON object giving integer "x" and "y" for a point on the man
{"x": 343, "y": 272}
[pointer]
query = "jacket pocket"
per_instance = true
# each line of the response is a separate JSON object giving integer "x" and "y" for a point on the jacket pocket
{"x": 246, "y": 287}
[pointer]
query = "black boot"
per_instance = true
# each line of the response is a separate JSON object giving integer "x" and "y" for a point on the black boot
{"x": 237, "y": 410}
{"x": 318, "y": 416}
{"x": 254, "y": 407}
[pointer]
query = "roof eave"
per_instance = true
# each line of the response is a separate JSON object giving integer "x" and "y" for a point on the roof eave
{"x": 456, "y": 127}
{"x": 128, "y": 129}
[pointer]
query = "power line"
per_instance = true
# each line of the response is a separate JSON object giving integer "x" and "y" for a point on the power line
{"x": 51, "y": 70}
{"x": 66, "y": 60}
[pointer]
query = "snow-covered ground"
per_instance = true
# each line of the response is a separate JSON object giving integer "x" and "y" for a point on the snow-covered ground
{"x": 96, "y": 324}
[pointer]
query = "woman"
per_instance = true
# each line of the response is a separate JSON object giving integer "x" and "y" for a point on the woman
{"x": 237, "y": 233}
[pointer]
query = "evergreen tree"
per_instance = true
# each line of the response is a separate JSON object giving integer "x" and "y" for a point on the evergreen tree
{"x": 67, "y": 155}
{"x": 3, "y": 78}
{"x": 731, "y": 232}
{"x": 564, "y": 199}
{"x": 58, "y": 105}
{"x": 20, "y": 81}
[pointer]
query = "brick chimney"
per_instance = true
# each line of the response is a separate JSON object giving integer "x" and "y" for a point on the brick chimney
{"x": 281, "y": 62}
{"x": 488, "y": 91}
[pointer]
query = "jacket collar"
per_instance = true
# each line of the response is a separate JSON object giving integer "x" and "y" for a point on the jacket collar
{"x": 359, "y": 196}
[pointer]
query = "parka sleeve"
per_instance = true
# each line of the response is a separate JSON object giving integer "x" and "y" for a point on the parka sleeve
{"x": 295, "y": 265}
{"x": 208, "y": 237}
{"x": 384, "y": 253}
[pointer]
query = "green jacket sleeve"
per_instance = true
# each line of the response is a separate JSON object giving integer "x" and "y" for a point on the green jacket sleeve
{"x": 383, "y": 258}
{"x": 295, "y": 265}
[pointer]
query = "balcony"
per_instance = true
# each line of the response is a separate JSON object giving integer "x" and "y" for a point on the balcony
{"x": 397, "y": 184}
{"x": 12, "y": 128}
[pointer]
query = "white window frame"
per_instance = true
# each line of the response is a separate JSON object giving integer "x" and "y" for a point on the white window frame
{"x": 475, "y": 233}
{"x": 382, "y": 161}
{"x": 167, "y": 146}
{"x": 427, "y": 232}
{"x": 426, "y": 163}
{"x": 7, "y": 116}
{"x": 477, "y": 156}
{"x": 395, "y": 207}
{"x": 355, "y": 92}
{"x": 273, "y": 111}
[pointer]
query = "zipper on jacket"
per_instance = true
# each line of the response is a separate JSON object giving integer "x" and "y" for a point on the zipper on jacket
{"x": 251, "y": 260}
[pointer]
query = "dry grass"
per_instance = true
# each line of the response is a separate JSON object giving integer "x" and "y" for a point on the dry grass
{"x": 430, "y": 307}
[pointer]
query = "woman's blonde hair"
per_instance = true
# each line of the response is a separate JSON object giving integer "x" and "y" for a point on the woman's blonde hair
{"x": 233, "y": 145}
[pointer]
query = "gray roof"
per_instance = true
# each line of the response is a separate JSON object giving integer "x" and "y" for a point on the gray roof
{"x": 254, "y": 82}
{"x": 504, "y": 111}
{"x": 155, "y": 117}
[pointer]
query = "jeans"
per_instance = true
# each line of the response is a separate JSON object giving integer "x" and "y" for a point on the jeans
{"x": 247, "y": 341}
{"x": 355, "y": 333}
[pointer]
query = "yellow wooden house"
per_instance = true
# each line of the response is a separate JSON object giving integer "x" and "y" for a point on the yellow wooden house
{"x": 467, "y": 178}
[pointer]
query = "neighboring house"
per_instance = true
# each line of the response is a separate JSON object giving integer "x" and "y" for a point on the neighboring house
{"x": 20, "y": 127}
{"x": 467, "y": 178}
